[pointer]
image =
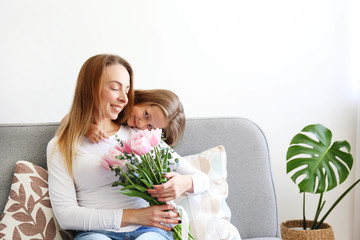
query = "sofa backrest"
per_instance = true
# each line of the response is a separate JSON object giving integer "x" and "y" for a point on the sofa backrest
{"x": 252, "y": 197}
{"x": 21, "y": 142}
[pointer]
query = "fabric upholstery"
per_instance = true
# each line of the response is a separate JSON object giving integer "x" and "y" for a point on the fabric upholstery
{"x": 21, "y": 141}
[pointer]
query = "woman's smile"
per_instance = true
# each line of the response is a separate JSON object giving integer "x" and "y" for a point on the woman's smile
{"x": 117, "y": 108}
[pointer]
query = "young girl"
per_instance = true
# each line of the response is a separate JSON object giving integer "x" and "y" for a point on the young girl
{"x": 80, "y": 189}
{"x": 155, "y": 108}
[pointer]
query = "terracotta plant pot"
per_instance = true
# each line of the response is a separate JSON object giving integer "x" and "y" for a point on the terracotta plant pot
{"x": 292, "y": 230}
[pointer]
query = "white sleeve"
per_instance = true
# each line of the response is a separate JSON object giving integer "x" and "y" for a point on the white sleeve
{"x": 201, "y": 181}
{"x": 64, "y": 201}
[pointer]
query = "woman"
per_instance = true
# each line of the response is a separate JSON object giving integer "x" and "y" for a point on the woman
{"x": 80, "y": 190}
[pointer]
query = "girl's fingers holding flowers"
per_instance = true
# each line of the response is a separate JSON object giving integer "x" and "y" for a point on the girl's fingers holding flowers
{"x": 169, "y": 174}
{"x": 164, "y": 197}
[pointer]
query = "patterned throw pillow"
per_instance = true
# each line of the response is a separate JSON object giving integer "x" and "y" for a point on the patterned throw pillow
{"x": 209, "y": 215}
{"x": 28, "y": 213}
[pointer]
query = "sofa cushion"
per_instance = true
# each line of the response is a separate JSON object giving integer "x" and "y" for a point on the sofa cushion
{"x": 28, "y": 213}
{"x": 209, "y": 214}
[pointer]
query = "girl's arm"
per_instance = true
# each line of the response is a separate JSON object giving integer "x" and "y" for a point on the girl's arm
{"x": 186, "y": 179}
{"x": 95, "y": 135}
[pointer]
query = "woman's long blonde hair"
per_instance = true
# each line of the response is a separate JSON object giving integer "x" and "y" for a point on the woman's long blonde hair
{"x": 87, "y": 95}
{"x": 170, "y": 104}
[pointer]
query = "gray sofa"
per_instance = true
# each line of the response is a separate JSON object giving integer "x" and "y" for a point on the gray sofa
{"x": 252, "y": 197}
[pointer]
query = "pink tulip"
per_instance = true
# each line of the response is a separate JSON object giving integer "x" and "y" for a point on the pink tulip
{"x": 137, "y": 135}
{"x": 154, "y": 136}
{"x": 127, "y": 146}
{"x": 119, "y": 148}
{"x": 111, "y": 159}
{"x": 105, "y": 164}
{"x": 140, "y": 146}
{"x": 141, "y": 142}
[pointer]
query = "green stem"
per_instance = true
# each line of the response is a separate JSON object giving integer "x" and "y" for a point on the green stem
{"x": 157, "y": 161}
{"x": 318, "y": 210}
{"x": 126, "y": 175}
{"x": 137, "y": 170}
{"x": 304, "y": 218}
{"x": 177, "y": 233}
{"x": 335, "y": 203}
{"x": 144, "y": 158}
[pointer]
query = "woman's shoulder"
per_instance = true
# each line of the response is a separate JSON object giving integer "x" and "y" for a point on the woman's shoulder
{"x": 52, "y": 142}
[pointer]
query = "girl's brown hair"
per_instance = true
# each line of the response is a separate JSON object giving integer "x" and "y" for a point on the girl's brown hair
{"x": 87, "y": 95}
{"x": 170, "y": 104}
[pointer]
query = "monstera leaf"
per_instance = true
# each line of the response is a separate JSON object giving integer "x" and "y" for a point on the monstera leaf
{"x": 311, "y": 156}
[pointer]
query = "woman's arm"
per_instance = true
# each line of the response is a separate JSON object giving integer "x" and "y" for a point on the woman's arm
{"x": 154, "y": 216}
{"x": 64, "y": 201}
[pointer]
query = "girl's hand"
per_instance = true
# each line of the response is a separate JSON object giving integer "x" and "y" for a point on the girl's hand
{"x": 95, "y": 134}
{"x": 173, "y": 188}
{"x": 156, "y": 216}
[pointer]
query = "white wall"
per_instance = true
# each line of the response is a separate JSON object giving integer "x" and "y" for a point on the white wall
{"x": 283, "y": 64}
{"x": 355, "y": 38}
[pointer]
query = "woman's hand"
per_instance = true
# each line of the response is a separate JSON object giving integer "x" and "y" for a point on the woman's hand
{"x": 95, "y": 134}
{"x": 155, "y": 216}
{"x": 173, "y": 188}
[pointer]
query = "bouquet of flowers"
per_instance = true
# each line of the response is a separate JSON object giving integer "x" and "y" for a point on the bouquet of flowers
{"x": 141, "y": 162}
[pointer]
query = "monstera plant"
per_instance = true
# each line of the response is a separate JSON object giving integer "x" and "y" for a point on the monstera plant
{"x": 317, "y": 165}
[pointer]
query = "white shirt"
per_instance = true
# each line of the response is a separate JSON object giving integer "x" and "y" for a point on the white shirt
{"x": 91, "y": 203}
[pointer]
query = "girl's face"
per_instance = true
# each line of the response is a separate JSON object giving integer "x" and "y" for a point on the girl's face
{"x": 114, "y": 89}
{"x": 147, "y": 117}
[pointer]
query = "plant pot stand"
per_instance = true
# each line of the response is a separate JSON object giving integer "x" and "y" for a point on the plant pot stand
{"x": 288, "y": 231}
